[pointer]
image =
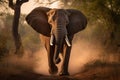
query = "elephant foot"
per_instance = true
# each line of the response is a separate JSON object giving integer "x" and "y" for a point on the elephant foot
{"x": 64, "y": 74}
{"x": 57, "y": 61}
{"x": 54, "y": 70}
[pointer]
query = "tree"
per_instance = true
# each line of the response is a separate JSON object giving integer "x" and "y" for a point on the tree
{"x": 17, "y": 8}
{"x": 106, "y": 12}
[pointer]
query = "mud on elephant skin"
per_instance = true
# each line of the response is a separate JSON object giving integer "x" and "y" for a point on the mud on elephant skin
{"x": 57, "y": 28}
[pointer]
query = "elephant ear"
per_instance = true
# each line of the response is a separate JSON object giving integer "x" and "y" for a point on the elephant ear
{"x": 77, "y": 21}
{"x": 38, "y": 20}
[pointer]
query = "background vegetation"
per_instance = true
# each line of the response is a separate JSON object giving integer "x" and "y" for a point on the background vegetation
{"x": 103, "y": 24}
{"x": 103, "y": 28}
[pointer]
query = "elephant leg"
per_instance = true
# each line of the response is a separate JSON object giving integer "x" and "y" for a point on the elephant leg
{"x": 66, "y": 56}
{"x": 52, "y": 67}
{"x": 50, "y": 53}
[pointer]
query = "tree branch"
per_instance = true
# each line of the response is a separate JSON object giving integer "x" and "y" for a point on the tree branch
{"x": 11, "y": 5}
{"x": 20, "y": 2}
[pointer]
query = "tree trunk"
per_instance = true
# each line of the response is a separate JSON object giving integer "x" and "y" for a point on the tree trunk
{"x": 17, "y": 38}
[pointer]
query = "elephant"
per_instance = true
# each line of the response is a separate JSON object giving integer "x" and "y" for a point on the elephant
{"x": 57, "y": 28}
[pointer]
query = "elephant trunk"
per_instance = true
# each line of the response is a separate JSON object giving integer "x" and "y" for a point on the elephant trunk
{"x": 60, "y": 35}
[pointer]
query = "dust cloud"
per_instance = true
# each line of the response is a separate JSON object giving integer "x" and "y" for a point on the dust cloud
{"x": 41, "y": 63}
{"x": 13, "y": 64}
{"x": 29, "y": 63}
{"x": 82, "y": 53}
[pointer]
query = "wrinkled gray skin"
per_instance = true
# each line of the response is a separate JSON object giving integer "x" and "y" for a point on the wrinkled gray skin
{"x": 57, "y": 23}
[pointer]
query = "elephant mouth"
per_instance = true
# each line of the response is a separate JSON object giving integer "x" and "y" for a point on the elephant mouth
{"x": 66, "y": 40}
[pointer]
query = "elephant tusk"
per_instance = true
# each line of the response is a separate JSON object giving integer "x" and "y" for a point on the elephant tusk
{"x": 51, "y": 40}
{"x": 67, "y": 41}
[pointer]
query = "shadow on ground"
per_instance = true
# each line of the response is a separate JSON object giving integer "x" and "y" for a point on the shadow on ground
{"x": 92, "y": 71}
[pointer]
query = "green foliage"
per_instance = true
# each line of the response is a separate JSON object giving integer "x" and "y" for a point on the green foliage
{"x": 3, "y": 37}
{"x": 1, "y": 1}
{"x": 3, "y": 46}
{"x": 30, "y": 39}
{"x": 104, "y": 17}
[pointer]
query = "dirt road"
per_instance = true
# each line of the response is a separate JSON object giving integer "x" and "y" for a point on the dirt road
{"x": 98, "y": 72}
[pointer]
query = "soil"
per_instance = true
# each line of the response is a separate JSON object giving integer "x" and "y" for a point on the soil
{"x": 90, "y": 72}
